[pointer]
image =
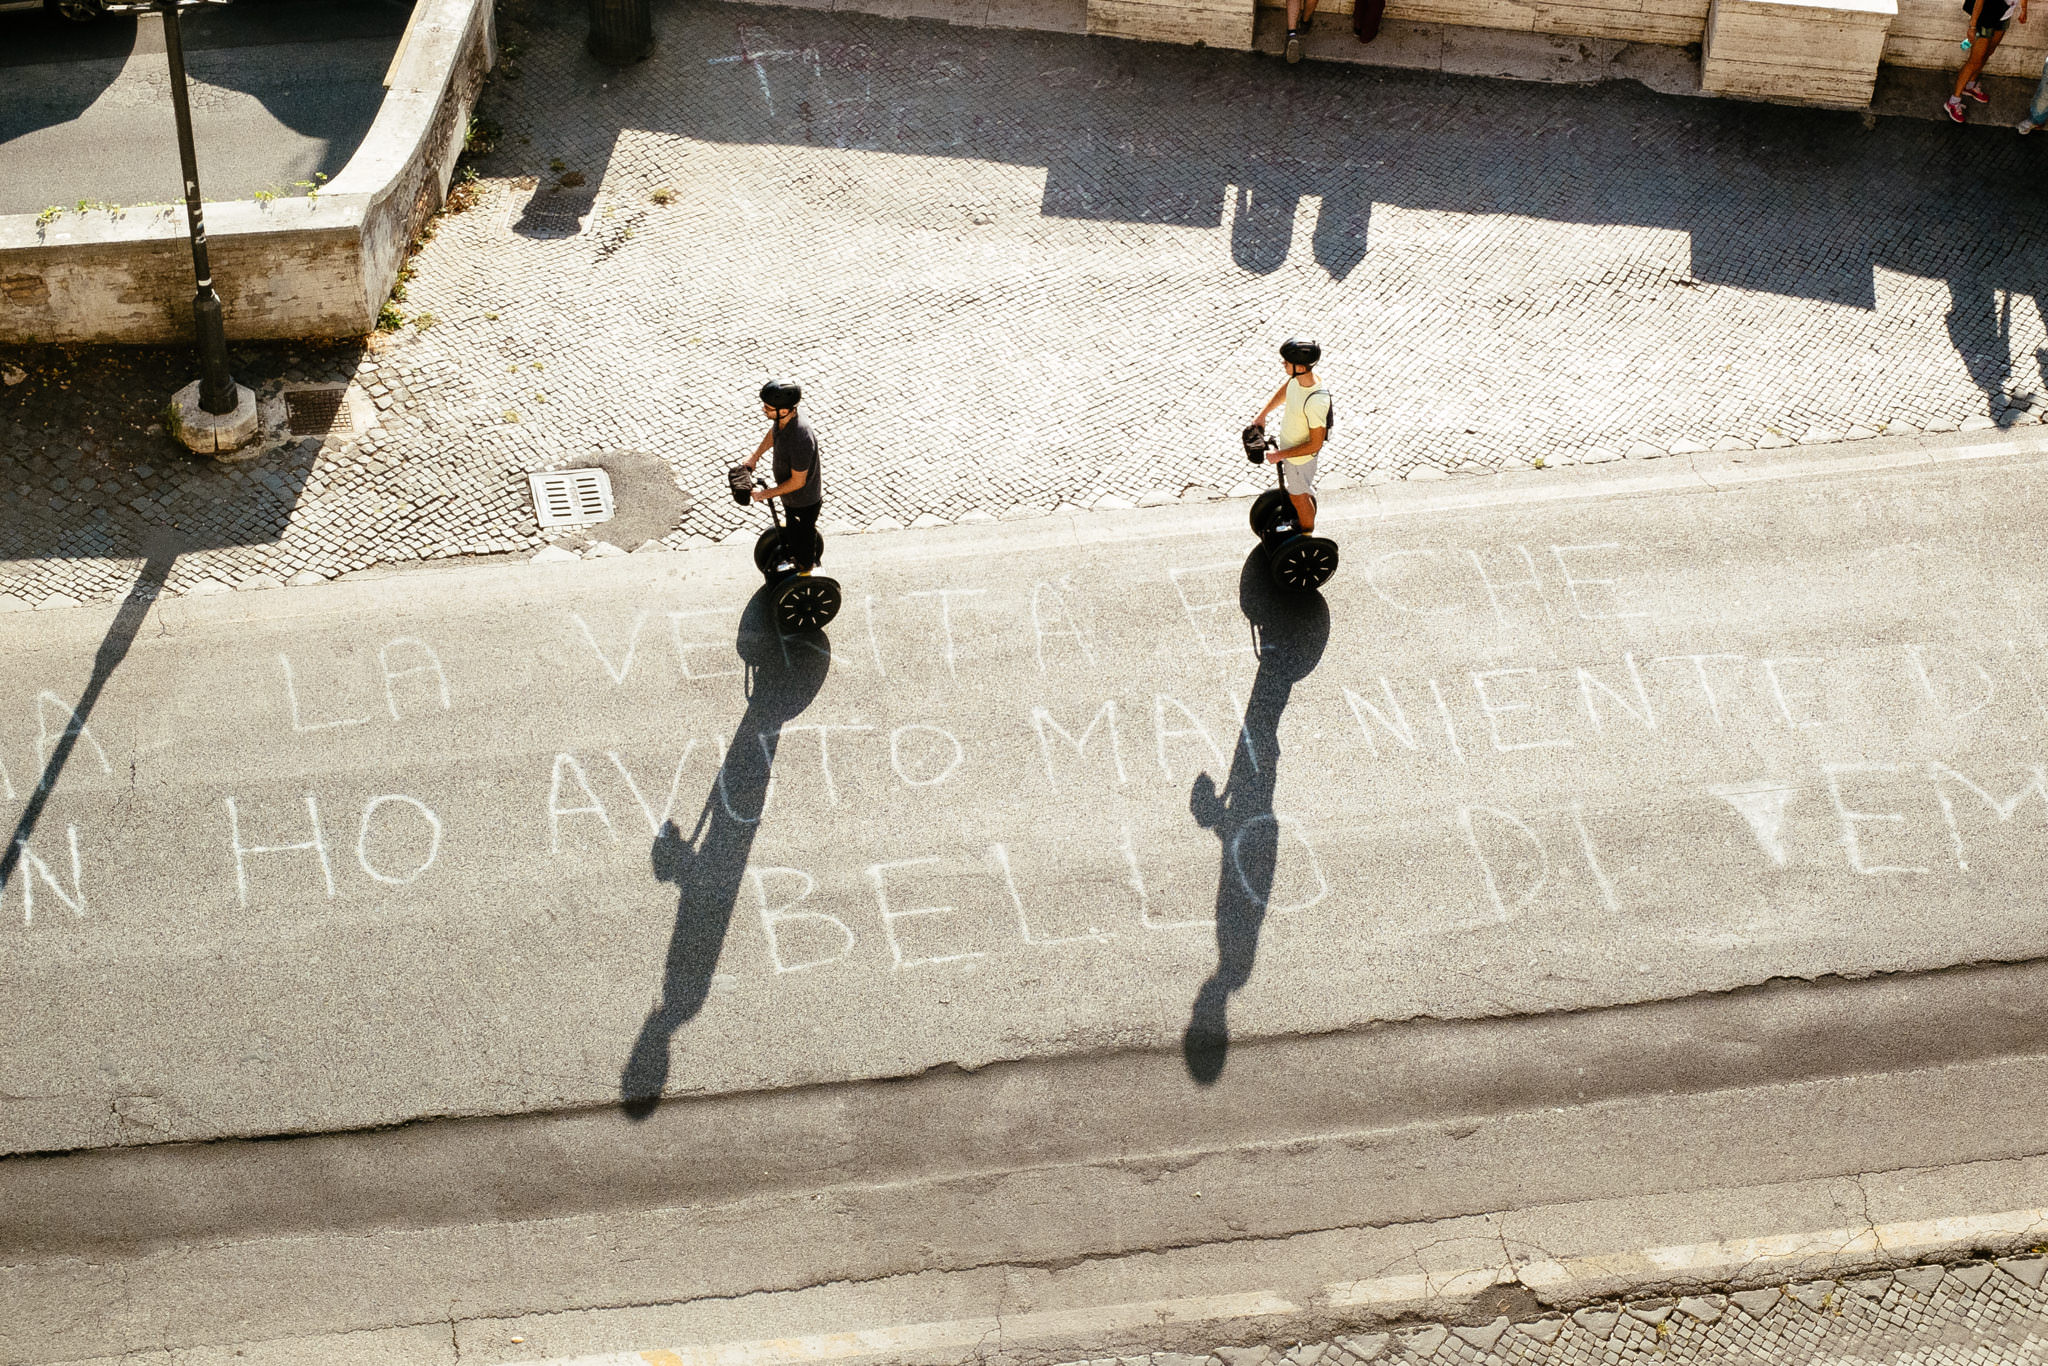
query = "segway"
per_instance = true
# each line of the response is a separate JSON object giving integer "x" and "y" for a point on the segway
{"x": 802, "y": 602}
{"x": 1298, "y": 561}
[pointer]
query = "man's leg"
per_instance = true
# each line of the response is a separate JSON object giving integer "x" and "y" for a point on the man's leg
{"x": 2038, "y": 113}
{"x": 802, "y": 534}
{"x": 1300, "y": 481}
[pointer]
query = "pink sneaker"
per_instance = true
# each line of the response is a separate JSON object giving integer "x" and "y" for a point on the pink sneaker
{"x": 1954, "y": 108}
{"x": 1976, "y": 92}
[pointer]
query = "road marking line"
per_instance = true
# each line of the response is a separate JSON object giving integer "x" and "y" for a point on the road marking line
{"x": 952, "y": 1333}
{"x": 1749, "y": 1259}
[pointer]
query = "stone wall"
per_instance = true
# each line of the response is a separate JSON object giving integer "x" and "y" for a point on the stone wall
{"x": 1925, "y": 33}
{"x": 317, "y": 267}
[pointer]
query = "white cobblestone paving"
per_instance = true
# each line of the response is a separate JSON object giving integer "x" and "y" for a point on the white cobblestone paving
{"x": 1019, "y": 271}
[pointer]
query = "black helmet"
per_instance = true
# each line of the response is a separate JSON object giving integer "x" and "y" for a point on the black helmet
{"x": 1296, "y": 351}
{"x": 781, "y": 394}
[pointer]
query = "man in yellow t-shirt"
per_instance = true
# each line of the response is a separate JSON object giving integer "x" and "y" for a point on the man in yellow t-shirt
{"x": 1304, "y": 423}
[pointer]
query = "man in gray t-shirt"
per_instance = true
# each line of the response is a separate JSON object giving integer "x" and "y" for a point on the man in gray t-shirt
{"x": 798, "y": 482}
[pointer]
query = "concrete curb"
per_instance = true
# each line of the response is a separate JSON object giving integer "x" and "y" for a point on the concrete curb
{"x": 1915, "y": 1247}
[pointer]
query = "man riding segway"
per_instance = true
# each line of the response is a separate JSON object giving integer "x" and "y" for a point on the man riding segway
{"x": 789, "y": 550}
{"x": 1285, "y": 518}
{"x": 795, "y": 467}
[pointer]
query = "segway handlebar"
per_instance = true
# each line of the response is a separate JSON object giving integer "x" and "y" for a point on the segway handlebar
{"x": 1256, "y": 444}
{"x": 743, "y": 484}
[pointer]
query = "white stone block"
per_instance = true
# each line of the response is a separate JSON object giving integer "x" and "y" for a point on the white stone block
{"x": 1817, "y": 52}
{"x": 224, "y": 436}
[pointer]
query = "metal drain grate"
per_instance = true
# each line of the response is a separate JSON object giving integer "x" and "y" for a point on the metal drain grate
{"x": 315, "y": 412}
{"x": 571, "y": 497}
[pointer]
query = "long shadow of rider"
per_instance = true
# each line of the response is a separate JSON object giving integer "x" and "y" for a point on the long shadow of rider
{"x": 783, "y": 675}
{"x": 1290, "y": 634}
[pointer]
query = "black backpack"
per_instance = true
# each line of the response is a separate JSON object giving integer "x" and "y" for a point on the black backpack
{"x": 1330, "y": 417}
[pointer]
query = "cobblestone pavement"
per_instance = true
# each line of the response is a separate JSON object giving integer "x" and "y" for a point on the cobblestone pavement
{"x": 1980, "y": 1313}
{"x": 1021, "y": 270}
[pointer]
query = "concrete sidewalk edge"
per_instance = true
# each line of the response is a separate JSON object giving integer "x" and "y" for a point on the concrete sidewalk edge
{"x": 1815, "y": 1254}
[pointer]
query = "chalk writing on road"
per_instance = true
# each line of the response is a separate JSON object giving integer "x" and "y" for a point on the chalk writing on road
{"x": 1035, "y": 753}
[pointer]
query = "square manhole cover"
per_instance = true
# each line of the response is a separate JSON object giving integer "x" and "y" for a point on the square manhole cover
{"x": 315, "y": 412}
{"x": 571, "y": 497}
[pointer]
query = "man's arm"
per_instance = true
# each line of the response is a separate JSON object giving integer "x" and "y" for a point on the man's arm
{"x": 759, "y": 450}
{"x": 1308, "y": 447}
{"x": 1317, "y": 430}
{"x": 797, "y": 479}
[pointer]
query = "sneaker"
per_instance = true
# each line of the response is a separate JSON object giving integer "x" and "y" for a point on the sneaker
{"x": 1293, "y": 47}
{"x": 1953, "y": 107}
{"x": 2025, "y": 126}
{"x": 1308, "y": 21}
{"x": 1976, "y": 92}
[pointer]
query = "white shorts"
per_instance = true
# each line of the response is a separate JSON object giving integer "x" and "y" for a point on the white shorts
{"x": 1298, "y": 477}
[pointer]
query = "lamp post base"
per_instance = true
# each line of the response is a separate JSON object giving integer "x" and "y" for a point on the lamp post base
{"x": 227, "y": 436}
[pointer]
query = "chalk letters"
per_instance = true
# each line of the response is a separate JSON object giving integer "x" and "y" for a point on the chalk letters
{"x": 74, "y": 728}
{"x": 1000, "y": 855}
{"x": 775, "y": 918}
{"x": 1104, "y": 716}
{"x": 945, "y": 597}
{"x": 1573, "y": 583}
{"x": 617, "y": 671}
{"x": 1940, "y": 773}
{"x": 945, "y": 770}
{"x": 433, "y": 824}
{"x": 565, "y": 764}
{"x": 878, "y": 874}
{"x": 1851, "y": 839}
{"x": 316, "y": 845}
{"x": 668, "y": 806}
{"x": 1496, "y": 709}
{"x": 683, "y": 647}
{"x": 1160, "y": 701}
{"x": 432, "y": 665}
{"x": 33, "y": 867}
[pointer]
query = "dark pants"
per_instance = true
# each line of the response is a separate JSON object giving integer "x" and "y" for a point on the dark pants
{"x": 800, "y": 534}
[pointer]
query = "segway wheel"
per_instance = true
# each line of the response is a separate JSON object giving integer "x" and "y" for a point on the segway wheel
{"x": 767, "y": 550}
{"x": 1303, "y": 564}
{"x": 806, "y": 603}
{"x": 1267, "y": 509}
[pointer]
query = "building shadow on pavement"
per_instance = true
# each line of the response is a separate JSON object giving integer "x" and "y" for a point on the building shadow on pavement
{"x": 1797, "y": 202}
{"x": 81, "y": 431}
{"x": 88, "y": 58}
{"x": 707, "y": 866}
{"x": 56, "y": 74}
{"x": 1289, "y": 634}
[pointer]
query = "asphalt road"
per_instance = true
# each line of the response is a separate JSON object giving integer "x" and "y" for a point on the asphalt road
{"x": 464, "y": 843}
{"x": 1202, "y": 938}
{"x": 281, "y": 90}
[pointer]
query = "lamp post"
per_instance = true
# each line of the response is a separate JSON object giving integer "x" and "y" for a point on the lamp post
{"x": 216, "y": 385}
{"x": 213, "y": 415}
